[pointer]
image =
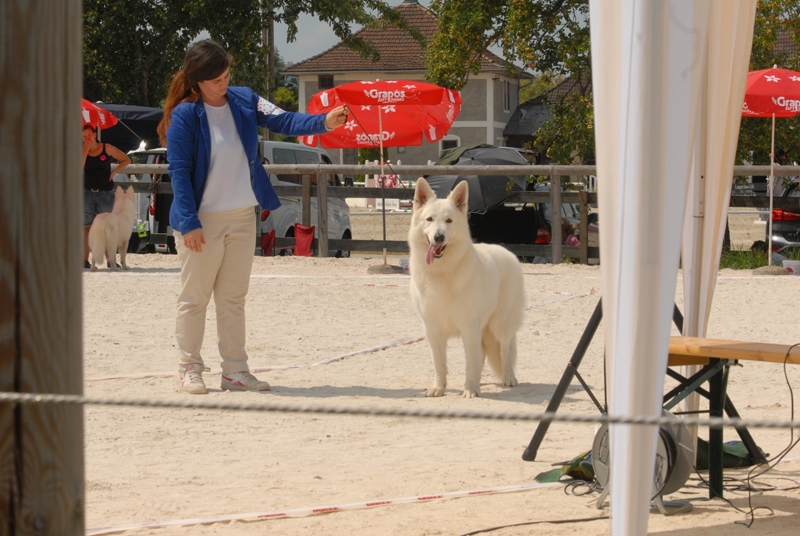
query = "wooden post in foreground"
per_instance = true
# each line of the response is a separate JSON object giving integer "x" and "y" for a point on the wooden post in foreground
{"x": 41, "y": 447}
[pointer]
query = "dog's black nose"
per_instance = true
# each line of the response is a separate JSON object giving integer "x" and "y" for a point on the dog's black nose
{"x": 438, "y": 238}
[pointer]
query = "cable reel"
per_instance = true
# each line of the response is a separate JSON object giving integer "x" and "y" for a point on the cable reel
{"x": 673, "y": 464}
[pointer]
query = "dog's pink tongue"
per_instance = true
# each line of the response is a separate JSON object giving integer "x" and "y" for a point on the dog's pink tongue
{"x": 429, "y": 257}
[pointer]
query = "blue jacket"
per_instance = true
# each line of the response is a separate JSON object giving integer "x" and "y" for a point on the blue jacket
{"x": 189, "y": 149}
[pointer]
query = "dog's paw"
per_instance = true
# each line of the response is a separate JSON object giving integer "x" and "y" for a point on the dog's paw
{"x": 93, "y": 268}
{"x": 469, "y": 393}
{"x": 510, "y": 381}
{"x": 436, "y": 390}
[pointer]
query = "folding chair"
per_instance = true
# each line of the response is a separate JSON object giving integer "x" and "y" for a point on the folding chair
{"x": 303, "y": 237}
{"x": 267, "y": 243}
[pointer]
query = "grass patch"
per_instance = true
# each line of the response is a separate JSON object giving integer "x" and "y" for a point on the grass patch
{"x": 742, "y": 259}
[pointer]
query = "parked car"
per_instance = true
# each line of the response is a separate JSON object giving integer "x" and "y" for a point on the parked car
{"x": 152, "y": 232}
{"x": 569, "y": 211}
{"x": 290, "y": 213}
{"x": 785, "y": 223}
{"x": 526, "y": 223}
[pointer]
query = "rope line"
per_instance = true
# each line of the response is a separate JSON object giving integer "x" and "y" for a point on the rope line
{"x": 546, "y": 417}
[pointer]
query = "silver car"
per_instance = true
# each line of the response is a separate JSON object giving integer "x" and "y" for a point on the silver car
{"x": 289, "y": 213}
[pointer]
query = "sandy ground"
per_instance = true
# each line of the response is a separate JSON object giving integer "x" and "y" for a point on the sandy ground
{"x": 145, "y": 465}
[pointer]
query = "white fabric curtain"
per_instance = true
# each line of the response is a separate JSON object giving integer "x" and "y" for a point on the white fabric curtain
{"x": 647, "y": 83}
{"x": 729, "y": 42}
{"x": 654, "y": 87}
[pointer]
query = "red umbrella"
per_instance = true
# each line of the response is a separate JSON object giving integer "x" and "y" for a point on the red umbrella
{"x": 402, "y": 111}
{"x": 386, "y": 113}
{"x": 772, "y": 93}
{"x": 95, "y": 116}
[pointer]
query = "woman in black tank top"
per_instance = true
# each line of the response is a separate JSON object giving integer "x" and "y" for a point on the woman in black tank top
{"x": 98, "y": 180}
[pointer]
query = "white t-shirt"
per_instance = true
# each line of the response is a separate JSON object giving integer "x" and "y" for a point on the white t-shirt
{"x": 228, "y": 185}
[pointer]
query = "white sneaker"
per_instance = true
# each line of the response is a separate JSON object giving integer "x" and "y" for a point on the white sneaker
{"x": 242, "y": 381}
{"x": 191, "y": 378}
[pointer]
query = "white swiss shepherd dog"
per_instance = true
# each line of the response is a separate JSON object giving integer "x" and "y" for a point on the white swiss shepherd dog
{"x": 112, "y": 230}
{"x": 461, "y": 289}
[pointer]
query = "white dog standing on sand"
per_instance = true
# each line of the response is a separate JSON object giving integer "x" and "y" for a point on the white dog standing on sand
{"x": 112, "y": 230}
{"x": 461, "y": 289}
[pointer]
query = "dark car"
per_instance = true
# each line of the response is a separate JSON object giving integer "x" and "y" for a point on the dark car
{"x": 492, "y": 219}
{"x": 785, "y": 223}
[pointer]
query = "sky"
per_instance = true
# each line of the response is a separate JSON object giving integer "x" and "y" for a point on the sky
{"x": 314, "y": 37}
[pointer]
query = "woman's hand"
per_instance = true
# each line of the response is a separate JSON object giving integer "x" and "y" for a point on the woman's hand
{"x": 337, "y": 117}
{"x": 194, "y": 240}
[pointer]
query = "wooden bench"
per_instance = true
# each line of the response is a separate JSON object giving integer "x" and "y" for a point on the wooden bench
{"x": 714, "y": 357}
{"x": 699, "y": 351}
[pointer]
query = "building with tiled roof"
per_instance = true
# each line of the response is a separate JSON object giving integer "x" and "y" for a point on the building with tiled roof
{"x": 530, "y": 115}
{"x": 488, "y": 98}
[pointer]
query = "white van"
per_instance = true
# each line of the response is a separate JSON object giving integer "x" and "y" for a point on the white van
{"x": 153, "y": 232}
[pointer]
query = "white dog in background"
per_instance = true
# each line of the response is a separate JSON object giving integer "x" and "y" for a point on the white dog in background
{"x": 461, "y": 289}
{"x": 112, "y": 230}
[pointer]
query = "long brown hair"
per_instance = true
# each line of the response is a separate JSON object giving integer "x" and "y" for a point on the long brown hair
{"x": 205, "y": 60}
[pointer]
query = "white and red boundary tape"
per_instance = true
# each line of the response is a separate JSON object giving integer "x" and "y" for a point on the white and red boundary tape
{"x": 314, "y": 510}
{"x": 572, "y": 297}
{"x": 398, "y": 342}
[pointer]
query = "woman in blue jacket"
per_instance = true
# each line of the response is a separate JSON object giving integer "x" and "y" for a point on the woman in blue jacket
{"x": 211, "y": 134}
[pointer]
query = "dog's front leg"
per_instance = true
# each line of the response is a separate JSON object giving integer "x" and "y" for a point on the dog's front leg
{"x": 474, "y": 357}
{"x": 438, "y": 344}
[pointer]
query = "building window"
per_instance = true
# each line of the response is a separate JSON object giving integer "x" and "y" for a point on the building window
{"x": 325, "y": 81}
{"x": 450, "y": 142}
{"x": 506, "y": 96}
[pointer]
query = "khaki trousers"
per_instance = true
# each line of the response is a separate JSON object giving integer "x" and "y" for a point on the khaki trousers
{"x": 222, "y": 268}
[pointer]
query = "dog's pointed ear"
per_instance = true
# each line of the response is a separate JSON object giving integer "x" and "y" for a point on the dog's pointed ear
{"x": 422, "y": 193}
{"x": 118, "y": 192}
{"x": 459, "y": 196}
{"x": 130, "y": 192}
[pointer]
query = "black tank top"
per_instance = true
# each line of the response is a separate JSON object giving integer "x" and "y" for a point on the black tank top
{"x": 97, "y": 170}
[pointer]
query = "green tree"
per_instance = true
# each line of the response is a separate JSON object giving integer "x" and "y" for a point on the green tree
{"x": 548, "y": 36}
{"x": 133, "y": 47}
{"x": 552, "y": 37}
{"x": 539, "y": 85}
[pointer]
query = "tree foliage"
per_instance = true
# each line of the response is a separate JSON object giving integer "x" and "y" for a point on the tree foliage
{"x": 132, "y": 48}
{"x": 777, "y": 22}
{"x": 552, "y": 37}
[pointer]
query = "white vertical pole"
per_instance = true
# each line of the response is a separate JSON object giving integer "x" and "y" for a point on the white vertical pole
{"x": 771, "y": 179}
{"x": 383, "y": 183}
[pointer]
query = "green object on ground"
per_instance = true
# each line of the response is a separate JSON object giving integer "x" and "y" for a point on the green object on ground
{"x": 579, "y": 468}
{"x": 734, "y": 454}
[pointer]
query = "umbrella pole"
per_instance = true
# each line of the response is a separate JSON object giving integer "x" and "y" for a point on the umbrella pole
{"x": 383, "y": 183}
{"x": 771, "y": 179}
